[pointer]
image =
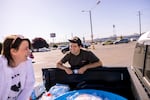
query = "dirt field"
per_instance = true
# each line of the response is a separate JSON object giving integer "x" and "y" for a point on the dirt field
{"x": 111, "y": 55}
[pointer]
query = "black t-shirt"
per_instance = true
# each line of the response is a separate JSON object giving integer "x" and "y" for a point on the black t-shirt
{"x": 77, "y": 61}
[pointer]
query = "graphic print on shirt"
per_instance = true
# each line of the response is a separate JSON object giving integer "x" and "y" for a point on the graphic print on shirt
{"x": 15, "y": 88}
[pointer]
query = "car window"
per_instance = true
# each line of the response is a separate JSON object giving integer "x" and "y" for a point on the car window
{"x": 138, "y": 59}
{"x": 147, "y": 64}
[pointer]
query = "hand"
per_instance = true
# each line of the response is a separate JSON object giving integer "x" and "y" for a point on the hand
{"x": 68, "y": 71}
{"x": 82, "y": 70}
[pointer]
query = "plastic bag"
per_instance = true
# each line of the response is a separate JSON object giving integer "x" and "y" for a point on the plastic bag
{"x": 84, "y": 96}
{"x": 59, "y": 89}
{"x": 37, "y": 91}
{"x": 47, "y": 96}
{"x": 55, "y": 91}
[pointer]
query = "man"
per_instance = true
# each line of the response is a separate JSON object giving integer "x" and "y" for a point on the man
{"x": 78, "y": 58}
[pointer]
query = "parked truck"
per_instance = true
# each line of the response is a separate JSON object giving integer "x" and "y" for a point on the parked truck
{"x": 131, "y": 82}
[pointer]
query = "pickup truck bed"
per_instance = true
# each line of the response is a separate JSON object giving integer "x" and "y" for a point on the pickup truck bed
{"x": 131, "y": 82}
{"x": 115, "y": 79}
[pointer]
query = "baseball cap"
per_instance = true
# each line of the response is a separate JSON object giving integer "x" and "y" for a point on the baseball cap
{"x": 76, "y": 40}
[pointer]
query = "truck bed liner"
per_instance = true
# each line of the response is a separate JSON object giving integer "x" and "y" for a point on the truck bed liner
{"x": 115, "y": 80}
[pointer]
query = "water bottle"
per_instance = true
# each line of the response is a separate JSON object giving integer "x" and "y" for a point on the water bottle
{"x": 75, "y": 71}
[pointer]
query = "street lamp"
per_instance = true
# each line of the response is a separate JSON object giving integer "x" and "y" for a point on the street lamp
{"x": 90, "y": 14}
{"x": 139, "y": 14}
{"x": 90, "y": 24}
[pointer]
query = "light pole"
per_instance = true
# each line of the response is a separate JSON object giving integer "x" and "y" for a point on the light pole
{"x": 139, "y": 14}
{"x": 91, "y": 26}
{"x": 90, "y": 14}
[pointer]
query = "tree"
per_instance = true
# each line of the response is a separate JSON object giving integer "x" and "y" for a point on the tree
{"x": 39, "y": 43}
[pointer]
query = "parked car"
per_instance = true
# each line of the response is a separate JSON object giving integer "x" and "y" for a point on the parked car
{"x": 86, "y": 45}
{"x": 65, "y": 49}
{"x": 107, "y": 42}
{"x": 121, "y": 41}
{"x": 44, "y": 49}
{"x": 61, "y": 47}
{"x": 31, "y": 55}
{"x": 133, "y": 39}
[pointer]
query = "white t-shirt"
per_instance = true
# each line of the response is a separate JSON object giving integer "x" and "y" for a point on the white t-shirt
{"x": 16, "y": 83}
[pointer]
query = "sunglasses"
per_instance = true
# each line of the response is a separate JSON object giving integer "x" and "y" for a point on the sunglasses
{"x": 14, "y": 39}
{"x": 17, "y": 37}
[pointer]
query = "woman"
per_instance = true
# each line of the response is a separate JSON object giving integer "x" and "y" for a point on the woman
{"x": 17, "y": 75}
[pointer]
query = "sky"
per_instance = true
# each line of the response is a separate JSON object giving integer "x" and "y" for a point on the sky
{"x": 40, "y": 18}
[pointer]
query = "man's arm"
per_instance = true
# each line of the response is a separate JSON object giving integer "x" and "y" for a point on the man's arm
{"x": 94, "y": 65}
{"x": 66, "y": 69}
{"x": 88, "y": 66}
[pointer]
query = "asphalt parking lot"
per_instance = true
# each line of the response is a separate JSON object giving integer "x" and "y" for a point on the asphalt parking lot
{"x": 120, "y": 55}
